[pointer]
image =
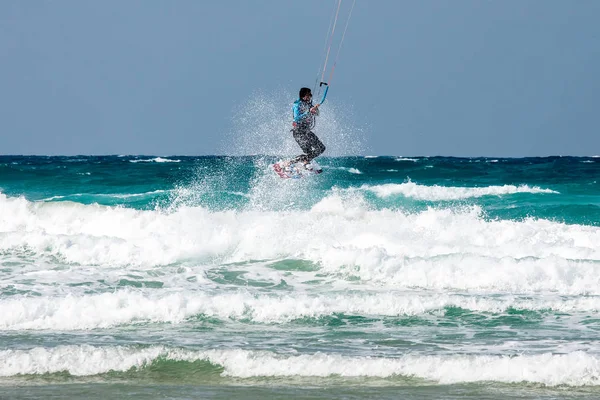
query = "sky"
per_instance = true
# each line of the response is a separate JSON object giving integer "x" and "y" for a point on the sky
{"x": 502, "y": 78}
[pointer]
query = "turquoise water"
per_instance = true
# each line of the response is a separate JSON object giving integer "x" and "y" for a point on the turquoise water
{"x": 420, "y": 277}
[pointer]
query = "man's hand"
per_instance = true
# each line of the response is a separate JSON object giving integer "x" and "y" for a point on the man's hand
{"x": 314, "y": 109}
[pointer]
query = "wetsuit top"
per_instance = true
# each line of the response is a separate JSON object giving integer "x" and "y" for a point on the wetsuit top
{"x": 302, "y": 116}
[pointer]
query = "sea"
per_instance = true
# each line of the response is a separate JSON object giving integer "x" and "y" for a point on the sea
{"x": 387, "y": 277}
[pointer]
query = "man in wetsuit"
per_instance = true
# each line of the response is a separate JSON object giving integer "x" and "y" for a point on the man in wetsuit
{"x": 304, "y": 121}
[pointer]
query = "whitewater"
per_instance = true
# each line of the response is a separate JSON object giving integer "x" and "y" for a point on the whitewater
{"x": 412, "y": 277}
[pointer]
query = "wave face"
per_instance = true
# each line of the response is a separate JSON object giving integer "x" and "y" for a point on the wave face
{"x": 381, "y": 271}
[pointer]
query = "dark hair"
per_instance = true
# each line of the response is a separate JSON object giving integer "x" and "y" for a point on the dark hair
{"x": 304, "y": 91}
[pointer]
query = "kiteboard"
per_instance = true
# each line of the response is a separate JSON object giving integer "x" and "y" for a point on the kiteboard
{"x": 296, "y": 170}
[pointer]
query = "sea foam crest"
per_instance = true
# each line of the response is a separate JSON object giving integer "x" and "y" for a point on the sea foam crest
{"x": 124, "y": 307}
{"x": 337, "y": 232}
{"x": 574, "y": 369}
{"x": 156, "y": 160}
{"x": 444, "y": 193}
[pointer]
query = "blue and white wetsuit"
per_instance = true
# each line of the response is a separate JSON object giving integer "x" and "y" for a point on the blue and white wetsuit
{"x": 304, "y": 121}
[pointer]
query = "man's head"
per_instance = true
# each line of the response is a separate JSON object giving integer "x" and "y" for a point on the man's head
{"x": 305, "y": 94}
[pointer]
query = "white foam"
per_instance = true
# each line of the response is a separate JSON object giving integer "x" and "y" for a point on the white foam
{"x": 465, "y": 272}
{"x": 112, "y": 309}
{"x": 436, "y": 248}
{"x": 442, "y": 193}
{"x": 407, "y": 159}
{"x": 573, "y": 369}
{"x": 94, "y": 234}
{"x": 82, "y": 360}
{"x": 350, "y": 170}
{"x": 108, "y": 195}
{"x": 129, "y": 195}
{"x": 126, "y": 307}
{"x": 53, "y": 198}
{"x": 156, "y": 160}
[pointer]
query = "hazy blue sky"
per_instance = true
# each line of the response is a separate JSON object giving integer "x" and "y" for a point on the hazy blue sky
{"x": 456, "y": 77}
